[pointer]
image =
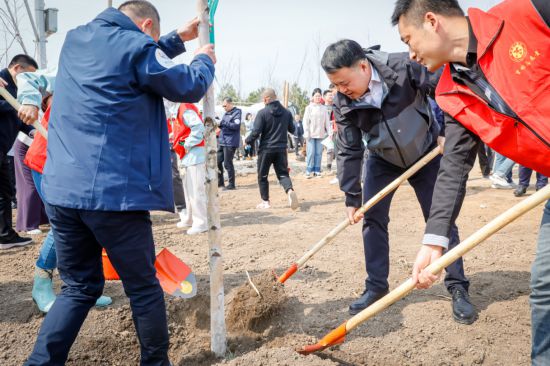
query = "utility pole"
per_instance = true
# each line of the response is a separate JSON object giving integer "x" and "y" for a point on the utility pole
{"x": 41, "y": 27}
{"x": 110, "y": 3}
{"x": 29, "y": 13}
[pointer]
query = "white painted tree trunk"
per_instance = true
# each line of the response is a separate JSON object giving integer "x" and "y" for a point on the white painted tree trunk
{"x": 217, "y": 313}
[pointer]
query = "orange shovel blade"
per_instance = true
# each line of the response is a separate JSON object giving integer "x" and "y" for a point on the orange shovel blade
{"x": 336, "y": 337}
{"x": 175, "y": 277}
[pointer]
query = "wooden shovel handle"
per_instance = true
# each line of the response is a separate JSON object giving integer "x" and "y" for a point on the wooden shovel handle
{"x": 452, "y": 255}
{"x": 15, "y": 104}
{"x": 373, "y": 201}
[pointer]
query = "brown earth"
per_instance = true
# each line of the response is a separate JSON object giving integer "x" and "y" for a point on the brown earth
{"x": 418, "y": 330}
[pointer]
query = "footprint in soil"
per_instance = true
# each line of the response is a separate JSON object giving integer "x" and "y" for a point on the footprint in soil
{"x": 16, "y": 305}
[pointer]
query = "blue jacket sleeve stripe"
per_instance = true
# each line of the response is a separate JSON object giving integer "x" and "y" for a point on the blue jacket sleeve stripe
{"x": 177, "y": 83}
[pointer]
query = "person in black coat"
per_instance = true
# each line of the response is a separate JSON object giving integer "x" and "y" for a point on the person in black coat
{"x": 382, "y": 106}
{"x": 298, "y": 135}
{"x": 11, "y": 125}
{"x": 272, "y": 125}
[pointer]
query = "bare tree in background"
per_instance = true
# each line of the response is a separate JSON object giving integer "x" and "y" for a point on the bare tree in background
{"x": 270, "y": 70}
{"x": 299, "y": 74}
{"x": 11, "y": 15}
{"x": 317, "y": 49}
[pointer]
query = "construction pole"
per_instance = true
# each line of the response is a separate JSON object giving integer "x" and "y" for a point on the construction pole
{"x": 285, "y": 95}
{"x": 31, "y": 19}
{"x": 218, "y": 339}
{"x": 16, "y": 28}
{"x": 41, "y": 25}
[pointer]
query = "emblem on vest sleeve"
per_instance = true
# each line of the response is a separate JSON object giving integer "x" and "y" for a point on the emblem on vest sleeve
{"x": 518, "y": 51}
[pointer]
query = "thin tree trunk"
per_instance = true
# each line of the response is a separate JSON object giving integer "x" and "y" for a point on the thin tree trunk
{"x": 217, "y": 313}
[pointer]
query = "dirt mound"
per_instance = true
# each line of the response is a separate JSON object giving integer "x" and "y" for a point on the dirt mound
{"x": 419, "y": 330}
{"x": 277, "y": 356}
{"x": 248, "y": 311}
{"x": 110, "y": 334}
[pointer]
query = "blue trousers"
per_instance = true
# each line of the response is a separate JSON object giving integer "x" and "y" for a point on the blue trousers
{"x": 47, "y": 259}
{"x": 503, "y": 166}
{"x": 379, "y": 174}
{"x": 128, "y": 239}
{"x": 540, "y": 295}
{"x": 525, "y": 177}
{"x": 314, "y": 154}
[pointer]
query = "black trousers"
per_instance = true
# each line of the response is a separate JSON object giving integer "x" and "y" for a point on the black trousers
{"x": 225, "y": 160}
{"x": 179, "y": 196}
{"x": 379, "y": 174}
{"x": 486, "y": 158}
{"x": 298, "y": 143}
{"x": 6, "y": 196}
{"x": 80, "y": 235}
{"x": 280, "y": 163}
{"x": 12, "y": 176}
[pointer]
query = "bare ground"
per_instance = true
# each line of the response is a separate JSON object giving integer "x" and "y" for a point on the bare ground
{"x": 418, "y": 330}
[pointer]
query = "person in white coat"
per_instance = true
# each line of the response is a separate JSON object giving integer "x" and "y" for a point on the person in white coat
{"x": 317, "y": 126}
{"x": 194, "y": 165}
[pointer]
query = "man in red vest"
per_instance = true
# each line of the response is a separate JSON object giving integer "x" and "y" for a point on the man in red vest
{"x": 495, "y": 87}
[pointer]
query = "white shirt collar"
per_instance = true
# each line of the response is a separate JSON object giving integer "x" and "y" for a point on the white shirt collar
{"x": 375, "y": 92}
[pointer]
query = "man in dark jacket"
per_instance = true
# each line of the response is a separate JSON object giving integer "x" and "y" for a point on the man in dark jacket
{"x": 108, "y": 165}
{"x": 383, "y": 100}
{"x": 230, "y": 136}
{"x": 10, "y": 126}
{"x": 298, "y": 134}
{"x": 272, "y": 125}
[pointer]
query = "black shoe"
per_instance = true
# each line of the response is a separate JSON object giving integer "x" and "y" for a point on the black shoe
{"x": 520, "y": 190}
{"x": 229, "y": 188}
{"x": 463, "y": 310}
{"x": 16, "y": 241}
{"x": 366, "y": 299}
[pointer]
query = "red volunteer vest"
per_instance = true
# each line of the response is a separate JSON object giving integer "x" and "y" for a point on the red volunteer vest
{"x": 514, "y": 54}
{"x": 36, "y": 155}
{"x": 181, "y": 131}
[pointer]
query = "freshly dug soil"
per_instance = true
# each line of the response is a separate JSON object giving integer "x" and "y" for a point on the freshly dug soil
{"x": 418, "y": 330}
{"x": 278, "y": 356}
{"x": 248, "y": 311}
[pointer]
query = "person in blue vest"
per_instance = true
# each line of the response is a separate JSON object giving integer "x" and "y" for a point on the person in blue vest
{"x": 230, "y": 136}
{"x": 108, "y": 165}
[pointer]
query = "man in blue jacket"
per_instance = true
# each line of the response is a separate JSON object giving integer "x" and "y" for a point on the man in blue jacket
{"x": 230, "y": 136}
{"x": 109, "y": 164}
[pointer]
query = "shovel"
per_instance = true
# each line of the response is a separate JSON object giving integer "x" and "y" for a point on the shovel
{"x": 15, "y": 104}
{"x": 175, "y": 277}
{"x": 337, "y": 336}
{"x": 344, "y": 224}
